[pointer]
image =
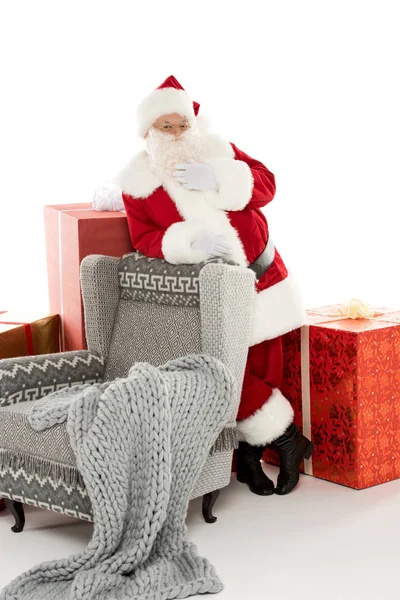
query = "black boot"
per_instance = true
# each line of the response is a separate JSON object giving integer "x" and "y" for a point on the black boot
{"x": 249, "y": 469}
{"x": 292, "y": 447}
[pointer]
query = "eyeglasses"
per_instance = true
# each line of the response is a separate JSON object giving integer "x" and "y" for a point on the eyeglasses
{"x": 170, "y": 128}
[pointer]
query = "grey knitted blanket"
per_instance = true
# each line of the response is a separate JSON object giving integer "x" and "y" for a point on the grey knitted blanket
{"x": 140, "y": 444}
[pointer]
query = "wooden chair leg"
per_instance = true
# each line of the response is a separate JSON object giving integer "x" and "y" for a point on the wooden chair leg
{"x": 17, "y": 511}
{"x": 208, "y": 503}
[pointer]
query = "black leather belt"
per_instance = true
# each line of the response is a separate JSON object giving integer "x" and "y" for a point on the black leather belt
{"x": 264, "y": 261}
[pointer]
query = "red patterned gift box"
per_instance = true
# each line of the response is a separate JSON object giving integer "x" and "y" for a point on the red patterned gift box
{"x": 342, "y": 376}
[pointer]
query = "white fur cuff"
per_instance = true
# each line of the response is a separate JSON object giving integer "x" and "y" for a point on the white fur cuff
{"x": 235, "y": 183}
{"x": 177, "y": 241}
{"x": 277, "y": 310}
{"x": 269, "y": 422}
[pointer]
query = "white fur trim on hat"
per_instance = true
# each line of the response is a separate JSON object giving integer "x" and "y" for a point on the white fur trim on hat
{"x": 177, "y": 241}
{"x": 269, "y": 422}
{"x": 235, "y": 183}
{"x": 277, "y": 310}
{"x": 163, "y": 102}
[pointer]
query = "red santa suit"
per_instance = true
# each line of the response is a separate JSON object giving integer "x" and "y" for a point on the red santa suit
{"x": 164, "y": 220}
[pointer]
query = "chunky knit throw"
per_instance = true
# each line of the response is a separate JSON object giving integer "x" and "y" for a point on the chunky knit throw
{"x": 140, "y": 444}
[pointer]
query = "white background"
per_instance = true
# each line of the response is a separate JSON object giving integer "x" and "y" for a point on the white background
{"x": 310, "y": 88}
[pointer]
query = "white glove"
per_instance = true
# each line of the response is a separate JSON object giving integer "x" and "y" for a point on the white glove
{"x": 195, "y": 176}
{"x": 213, "y": 245}
{"x": 108, "y": 197}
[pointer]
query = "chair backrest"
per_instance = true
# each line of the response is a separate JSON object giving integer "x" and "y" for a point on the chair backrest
{"x": 141, "y": 309}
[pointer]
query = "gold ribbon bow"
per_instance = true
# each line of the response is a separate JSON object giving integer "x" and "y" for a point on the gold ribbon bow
{"x": 356, "y": 309}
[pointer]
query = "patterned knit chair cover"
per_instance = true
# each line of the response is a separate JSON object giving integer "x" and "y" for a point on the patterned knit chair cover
{"x": 136, "y": 309}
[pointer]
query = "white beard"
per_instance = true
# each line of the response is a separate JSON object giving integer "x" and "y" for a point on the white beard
{"x": 165, "y": 151}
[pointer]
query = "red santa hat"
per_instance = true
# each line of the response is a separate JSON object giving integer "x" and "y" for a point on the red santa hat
{"x": 169, "y": 97}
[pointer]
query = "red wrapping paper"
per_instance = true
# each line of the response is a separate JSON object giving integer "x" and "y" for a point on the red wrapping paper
{"x": 74, "y": 231}
{"x": 354, "y": 396}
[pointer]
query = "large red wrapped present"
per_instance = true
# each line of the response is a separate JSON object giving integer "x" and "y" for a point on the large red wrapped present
{"x": 343, "y": 379}
{"x": 72, "y": 232}
{"x": 24, "y": 334}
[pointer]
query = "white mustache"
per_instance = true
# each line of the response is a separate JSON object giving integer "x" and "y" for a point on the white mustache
{"x": 159, "y": 138}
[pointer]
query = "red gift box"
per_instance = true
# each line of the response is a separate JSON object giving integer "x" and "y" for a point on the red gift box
{"x": 342, "y": 377}
{"x": 25, "y": 334}
{"x": 74, "y": 231}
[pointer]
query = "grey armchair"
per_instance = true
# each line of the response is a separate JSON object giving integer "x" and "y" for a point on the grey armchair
{"x": 136, "y": 309}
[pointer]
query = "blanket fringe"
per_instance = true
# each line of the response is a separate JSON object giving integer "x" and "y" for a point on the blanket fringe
{"x": 41, "y": 467}
{"x": 227, "y": 440}
{"x": 70, "y": 476}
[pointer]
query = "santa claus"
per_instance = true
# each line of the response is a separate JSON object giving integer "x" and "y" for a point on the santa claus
{"x": 190, "y": 196}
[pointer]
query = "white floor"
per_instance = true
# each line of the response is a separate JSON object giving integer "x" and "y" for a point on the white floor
{"x": 322, "y": 542}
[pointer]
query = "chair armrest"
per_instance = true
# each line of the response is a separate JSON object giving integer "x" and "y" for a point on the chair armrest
{"x": 32, "y": 377}
{"x": 100, "y": 294}
{"x": 226, "y": 303}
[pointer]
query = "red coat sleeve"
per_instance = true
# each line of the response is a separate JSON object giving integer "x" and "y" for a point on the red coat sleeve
{"x": 264, "y": 181}
{"x": 146, "y": 236}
